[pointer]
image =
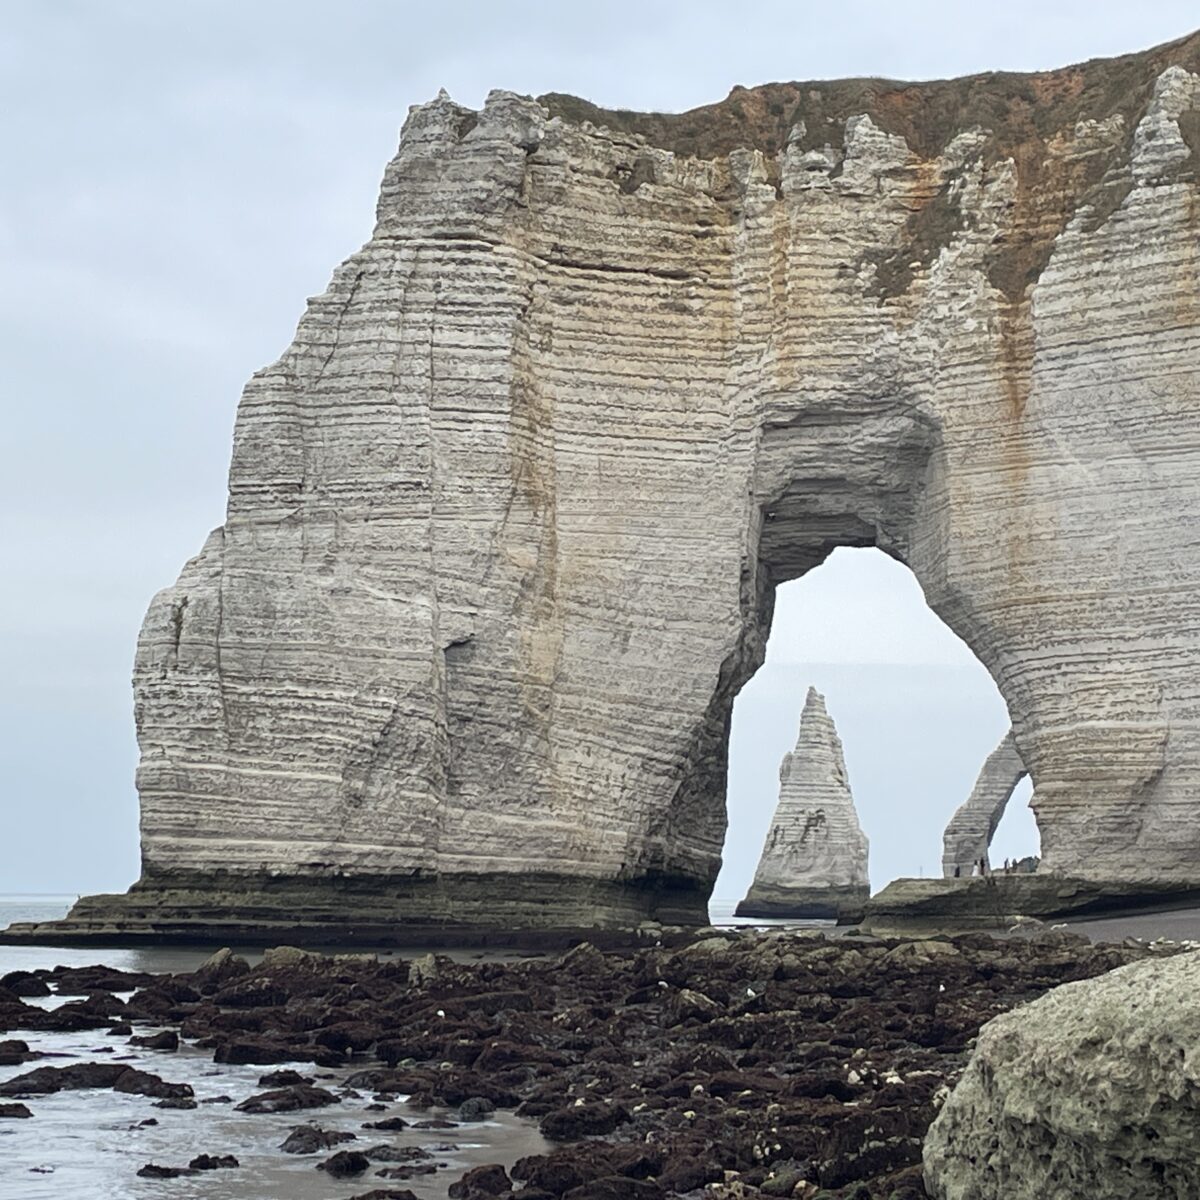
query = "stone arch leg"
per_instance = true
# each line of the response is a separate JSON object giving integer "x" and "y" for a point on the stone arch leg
{"x": 970, "y": 831}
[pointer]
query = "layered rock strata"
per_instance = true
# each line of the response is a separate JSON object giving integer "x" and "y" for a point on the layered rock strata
{"x": 1093, "y": 1090}
{"x": 970, "y": 831}
{"x": 993, "y": 901}
{"x": 506, "y": 519}
{"x": 814, "y": 860}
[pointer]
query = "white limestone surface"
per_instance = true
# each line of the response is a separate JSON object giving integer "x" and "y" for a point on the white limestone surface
{"x": 814, "y": 840}
{"x": 506, "y": 519}
{"x": 969, "y": 832}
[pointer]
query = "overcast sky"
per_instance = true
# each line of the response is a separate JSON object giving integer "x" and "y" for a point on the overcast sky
{"x": 179, "y": 175}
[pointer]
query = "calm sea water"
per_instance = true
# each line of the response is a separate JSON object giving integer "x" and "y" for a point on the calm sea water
{"x": 91, "y": 1144}
{"x": 24, "y": 907}
{"x": 52, "y": 908}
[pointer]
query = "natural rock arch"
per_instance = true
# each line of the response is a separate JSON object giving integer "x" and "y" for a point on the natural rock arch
{"x": 826, "y": 476}
{"x": 506, "y": 519}
{"x": 968, "y": 836}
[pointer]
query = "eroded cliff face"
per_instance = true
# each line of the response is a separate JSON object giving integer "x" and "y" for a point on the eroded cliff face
{"x": 814, "y": 861}
{"x": 506, "y": 519}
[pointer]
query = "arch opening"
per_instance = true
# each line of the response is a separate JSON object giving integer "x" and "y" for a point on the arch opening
{"x": 917, "y": 713}
{"x": 1017, "y": 838}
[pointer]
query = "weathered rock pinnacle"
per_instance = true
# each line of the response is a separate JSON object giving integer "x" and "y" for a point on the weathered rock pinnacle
{"x": 506, "y": 519}
{"x": 970, "y": 831}
{"x": 814, "y": 861}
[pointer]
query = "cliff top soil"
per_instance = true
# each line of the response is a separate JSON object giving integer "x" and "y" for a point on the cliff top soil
{"x": 1021, "y": 113}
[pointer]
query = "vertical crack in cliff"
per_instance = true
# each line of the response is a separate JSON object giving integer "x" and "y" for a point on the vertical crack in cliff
{"x": 534, "y": 470}
{"x": 1017, "y": 345}
{"x": 1189, "y": 130}
{"x": 217, "y": 638}
{"x": 379, "y": 756}
{"x": 441, "y": 756}
{"x": 335, "y": 344}
{"x": 378, "y": 752}
{"x": 178, "y": 609}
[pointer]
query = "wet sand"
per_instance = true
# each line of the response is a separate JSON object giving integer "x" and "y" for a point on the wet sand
{"x": 1180, "y": 924}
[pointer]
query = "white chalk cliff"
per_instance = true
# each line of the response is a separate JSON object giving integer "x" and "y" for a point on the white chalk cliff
{"x": 814, "y": 859}
{"x": 970, "y": 831}
{"x": 506, "y": 519}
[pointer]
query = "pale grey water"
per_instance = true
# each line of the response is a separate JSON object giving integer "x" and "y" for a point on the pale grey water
{"x": 720, "y": 913}
{"x": 88, "y": 1144}
{"x": 52, "y": 908}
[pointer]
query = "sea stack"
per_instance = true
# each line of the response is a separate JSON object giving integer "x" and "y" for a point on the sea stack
{"x": 814, "y": 861}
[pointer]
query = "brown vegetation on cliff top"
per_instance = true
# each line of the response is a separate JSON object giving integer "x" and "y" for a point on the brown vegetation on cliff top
{"x": 927, "y": 115}
{"x": 1023, "y": 114}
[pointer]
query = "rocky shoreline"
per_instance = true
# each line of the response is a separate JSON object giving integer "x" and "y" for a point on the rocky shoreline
{"x": 737, "y": 1064}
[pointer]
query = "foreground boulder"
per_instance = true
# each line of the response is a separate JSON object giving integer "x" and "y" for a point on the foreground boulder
{"x": 213, "y": 1162}
{"x": 80, "y": 1076}
{"x": 14, "y": 1052}
{"x": 489, "y": 1180}
{"x": 168, "y": 1039}
{"x": 222, "y": 967}
{"x": 1093, "y": 1090}
{"x": 309, "y": 1139}
{"x": 157, "y": 1171}
{"x": 288, "y": 1099}
{"x": 345, "y": 1163}
{"x": 24, "y": 983}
